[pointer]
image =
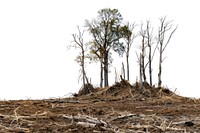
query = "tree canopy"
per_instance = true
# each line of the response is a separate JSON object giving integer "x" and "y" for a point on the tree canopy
{"x": 106, "y": 31}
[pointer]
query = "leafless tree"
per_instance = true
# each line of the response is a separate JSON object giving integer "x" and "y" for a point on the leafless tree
{"x": 123, "y": 71}
{"x": 78, "y": 43}
{"x": 149, "y": 37}
{"x": 146, "y": 32}
{"x": 143, "y": 33}
{"x": 165, "y": 33}
{"x": 140, "y": 61}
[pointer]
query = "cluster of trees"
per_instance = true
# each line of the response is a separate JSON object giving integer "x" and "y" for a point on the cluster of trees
{"x": 109, "y": 33}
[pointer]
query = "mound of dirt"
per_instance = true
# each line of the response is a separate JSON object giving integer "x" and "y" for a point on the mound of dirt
{"x": 86, "y": 89}
{"x": 118, "y": 86}
{"x": 123, "y": 90}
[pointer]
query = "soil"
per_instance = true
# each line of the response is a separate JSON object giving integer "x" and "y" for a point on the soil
{"x": 121, "y": 108}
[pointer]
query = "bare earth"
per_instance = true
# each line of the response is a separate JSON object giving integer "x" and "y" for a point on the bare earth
{"x": 121, "y": 108}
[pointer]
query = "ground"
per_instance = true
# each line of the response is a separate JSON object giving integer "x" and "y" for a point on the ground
{"x": 121, "y": 108}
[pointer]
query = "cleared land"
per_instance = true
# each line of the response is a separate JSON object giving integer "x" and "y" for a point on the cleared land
{"x": 121, "y": 108}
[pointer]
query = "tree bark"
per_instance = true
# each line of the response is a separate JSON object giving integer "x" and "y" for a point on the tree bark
{"x": 160, "y": 66}
{"x": 115, "y": 75}
{"x": 149, "y": 44}
{"x": 101, "y": 73}
{"x": 105, "y": 69}
{"x": 83, "y": 68}
{"x": 150, "y": 68}
{"x": 140, "y": 68}
{"x": 123, "y": 71}
{"x": 142, "y": 59}
{"x": 127, "y": 65}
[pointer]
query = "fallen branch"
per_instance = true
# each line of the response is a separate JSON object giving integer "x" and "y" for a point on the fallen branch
{"x": 86, "y": 119}
{"x": 141, "y": 126}
{"x": 169, "y": 129}
{"x": 86, "y": 124}
{"x": 124, "y": 117}
{"x": 17, "y": 117}
{"x": 14, "y": 129}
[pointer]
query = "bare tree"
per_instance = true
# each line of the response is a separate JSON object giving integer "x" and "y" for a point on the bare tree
{"x": 139, "y": 57}
{"x": 149, "y": 36}
{"x": 146, "y": 32}
{"x": 143, "y": 33}
{"x": 123, "y": 71}
{"x": 165, "y": 32}
{"x": 78, "y": 43}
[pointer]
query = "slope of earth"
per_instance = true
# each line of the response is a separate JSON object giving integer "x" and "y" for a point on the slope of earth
{"x": 121, "y": 108}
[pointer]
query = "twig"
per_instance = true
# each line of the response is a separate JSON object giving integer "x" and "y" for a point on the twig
{"x": 16, "y": 116}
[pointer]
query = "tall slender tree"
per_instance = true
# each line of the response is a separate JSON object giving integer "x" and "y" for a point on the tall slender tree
{"x": 128, "y": 36}
{"x": 149, "y": 37}
{"x": 106, "y": 34}
{"x": 97, "y": 54}
{"x": 146, "y": 42}
{"x": 79, "y": 43}
{"x": 165, "y": 33}
{"x": 142, "y": 33}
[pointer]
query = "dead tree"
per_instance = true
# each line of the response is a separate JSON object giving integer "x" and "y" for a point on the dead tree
{"x": 123, "y": 71}
{"x": 140, "y": 68}
{"x": 149, "y": 37}
{"x": 140, "y": 71}
{"x": 116, "y": 76}
{"x": 165, "y": 32}
{"x": 146, "y": 32}
{"x": 142, "y": 54}
{"x": 78, "y": 43}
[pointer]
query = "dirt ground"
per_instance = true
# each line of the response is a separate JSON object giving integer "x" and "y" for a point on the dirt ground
{"x": 121, "y": 108}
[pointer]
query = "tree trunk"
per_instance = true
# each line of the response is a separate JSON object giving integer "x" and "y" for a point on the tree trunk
{"x": 140, "y": 65}
{"x": 150, "y": 69}
{"x": 142, "y": 60}
{"x": 141, "y": 81}
{"x": 123, "y": 71}
{"x": 85, "y": 78}
{"x": 143, "y": 69}
{"x": 127, "y": 63}
{"x": 115, "y": 75}
{"x": 149, "y": 44}
{"x": 83, "y": 69}
{"x": 150, "y": 61}
{"x": 105, "y": 69}
{"x": 101, "y": 74}
{"x": 160, "y": 67}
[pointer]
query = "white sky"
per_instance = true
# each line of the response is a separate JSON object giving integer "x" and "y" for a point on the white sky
{"x": 34, "y": 35}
